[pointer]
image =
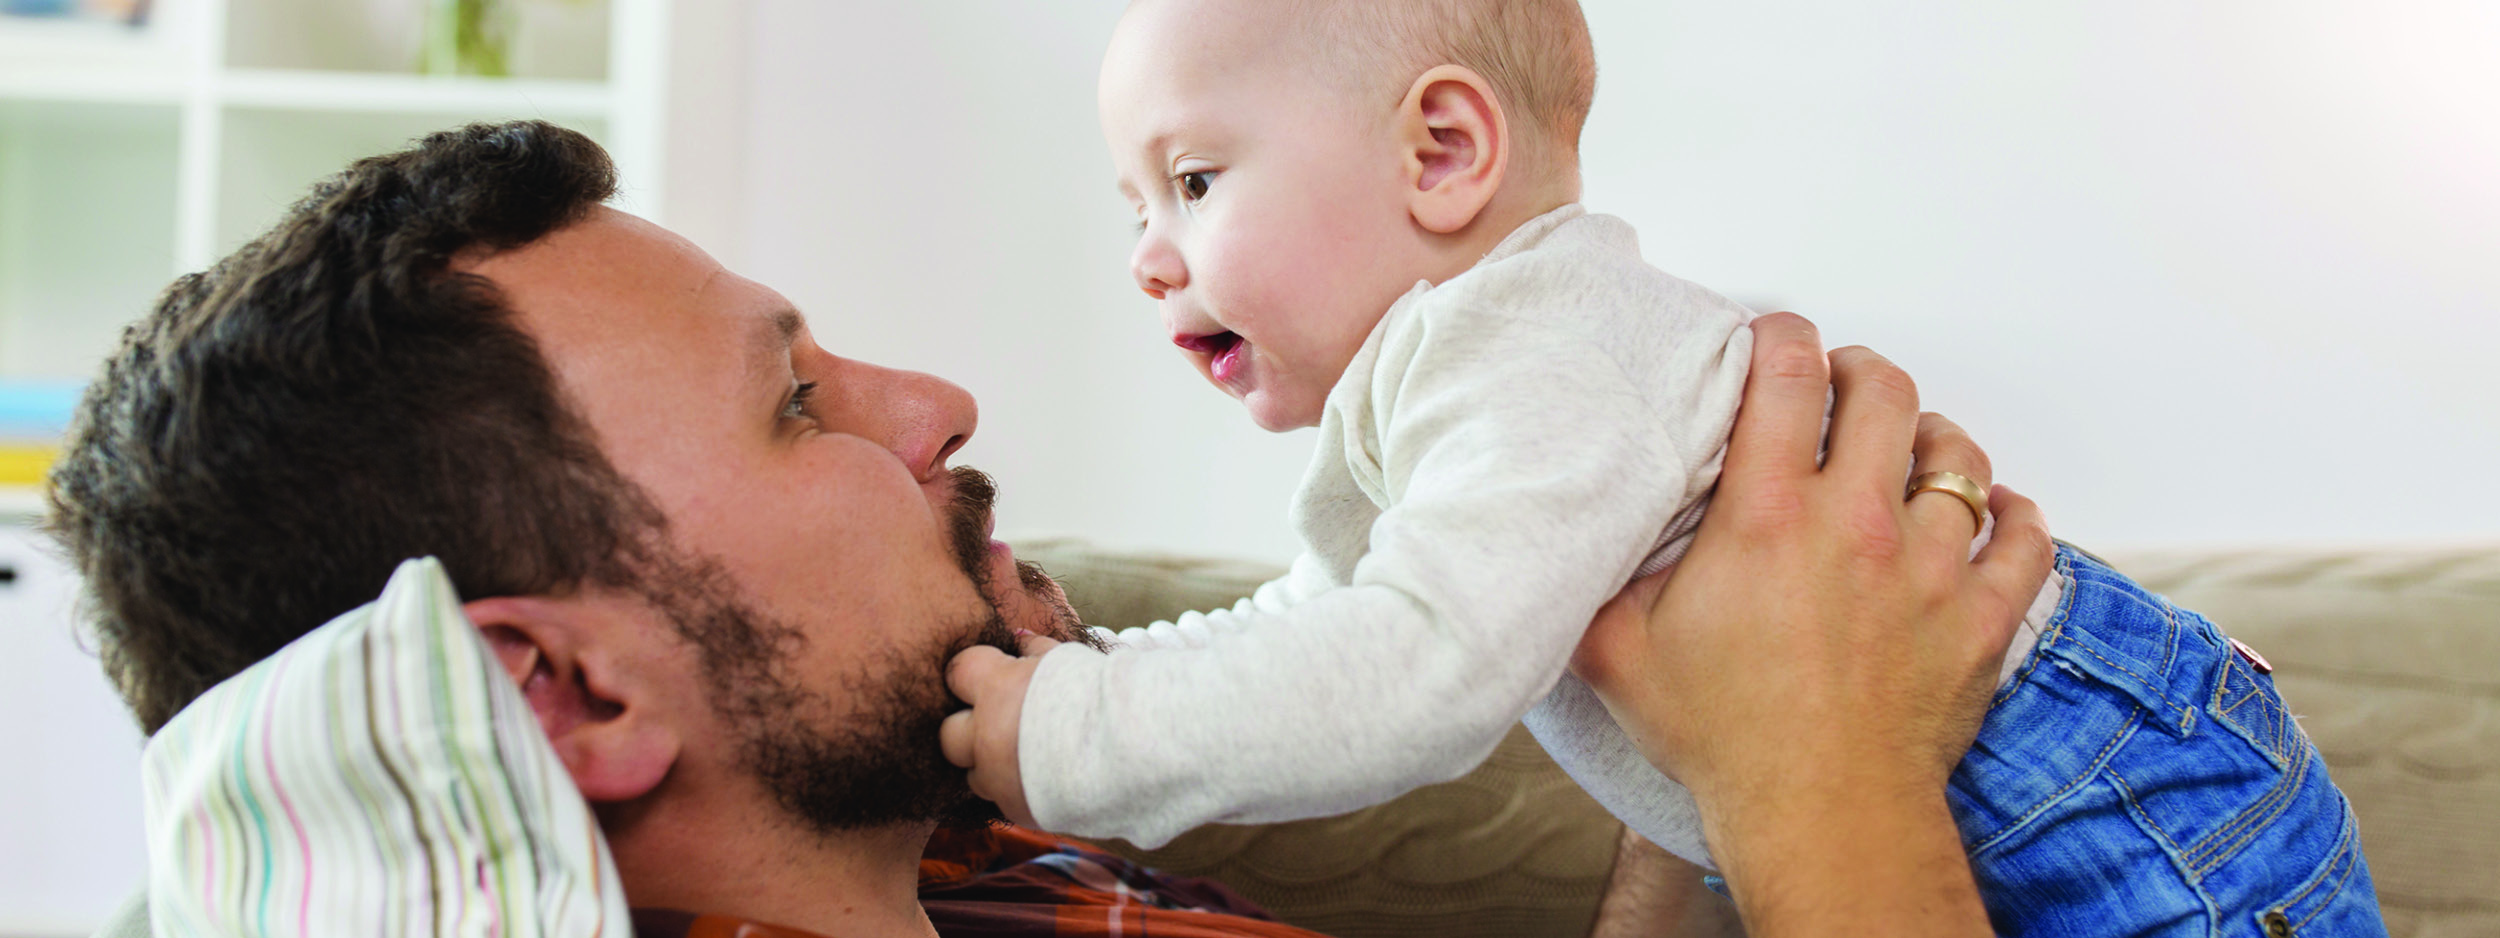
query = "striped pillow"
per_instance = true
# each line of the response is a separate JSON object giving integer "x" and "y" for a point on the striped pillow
{"x": 379, "y": 776}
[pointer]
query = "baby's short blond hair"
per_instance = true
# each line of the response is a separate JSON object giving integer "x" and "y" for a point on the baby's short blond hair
{"x": 1535, "y": 53}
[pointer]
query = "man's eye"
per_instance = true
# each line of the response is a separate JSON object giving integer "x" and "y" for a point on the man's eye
{"x": 797, "y": 409}
{"x": 1194, "y": 185}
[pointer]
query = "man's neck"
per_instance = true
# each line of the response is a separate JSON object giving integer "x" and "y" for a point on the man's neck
{"x": 765, "y": 869}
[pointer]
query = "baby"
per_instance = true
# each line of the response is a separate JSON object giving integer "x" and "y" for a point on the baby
{"x": 1362, "y": 214}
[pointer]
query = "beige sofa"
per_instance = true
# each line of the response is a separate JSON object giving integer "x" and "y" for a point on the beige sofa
{"x": 2391, "y": 657}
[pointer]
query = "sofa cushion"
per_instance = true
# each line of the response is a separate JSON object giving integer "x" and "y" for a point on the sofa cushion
{"x": 378, "y": 776}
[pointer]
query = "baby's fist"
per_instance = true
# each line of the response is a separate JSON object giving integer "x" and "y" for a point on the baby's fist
{"x": 982, "y": 736}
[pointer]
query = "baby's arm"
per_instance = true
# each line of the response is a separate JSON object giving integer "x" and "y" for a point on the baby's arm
{"x": 982, "y": 737}
{"x": 1527, "y": 472}
{"x": 1308, "y": 576}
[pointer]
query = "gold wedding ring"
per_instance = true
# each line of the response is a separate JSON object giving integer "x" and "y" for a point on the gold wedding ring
{"x": 1957, "y": 485}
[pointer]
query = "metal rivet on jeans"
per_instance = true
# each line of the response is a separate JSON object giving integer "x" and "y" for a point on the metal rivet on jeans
{"x": 2277, "y": 926}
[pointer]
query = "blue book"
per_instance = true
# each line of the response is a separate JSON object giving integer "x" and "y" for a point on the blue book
{"x": 36, "y": 411}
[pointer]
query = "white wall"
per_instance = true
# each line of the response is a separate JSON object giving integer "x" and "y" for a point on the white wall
{"x": 2216, "y": 272}
{"x": 2205, "y": 272}
{"x": 926, "y": 181}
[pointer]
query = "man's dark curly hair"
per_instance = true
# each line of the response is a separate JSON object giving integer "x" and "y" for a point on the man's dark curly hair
{"x": 282, "y": 431}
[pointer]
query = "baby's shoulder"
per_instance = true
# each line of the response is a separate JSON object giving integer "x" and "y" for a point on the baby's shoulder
{"x": 1586, "y": 276}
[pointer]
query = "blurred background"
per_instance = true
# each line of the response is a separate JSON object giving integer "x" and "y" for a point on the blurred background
{"x": 2196, "y": 274}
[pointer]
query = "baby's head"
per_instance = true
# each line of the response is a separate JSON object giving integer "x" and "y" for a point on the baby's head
{"x": 1297, "y": 165}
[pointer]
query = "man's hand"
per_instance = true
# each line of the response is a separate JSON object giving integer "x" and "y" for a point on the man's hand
{"x": 982, "y": 736}
{"x": 1817, "y": 664}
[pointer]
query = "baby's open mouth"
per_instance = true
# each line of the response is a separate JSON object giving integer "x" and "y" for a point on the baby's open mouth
{"x": 1223, "y": 351}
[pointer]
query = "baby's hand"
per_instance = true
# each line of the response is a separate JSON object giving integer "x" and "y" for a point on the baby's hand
{"x": 982, "y": 736}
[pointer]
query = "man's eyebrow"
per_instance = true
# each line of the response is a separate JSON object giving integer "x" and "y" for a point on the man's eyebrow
{"x": 771, "y": 350}
{"x": 786, "y": 325}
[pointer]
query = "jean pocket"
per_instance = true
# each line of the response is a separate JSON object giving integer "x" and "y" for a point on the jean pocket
{"x": 2338, "y": 900}
{"x": 2247, "y": 703}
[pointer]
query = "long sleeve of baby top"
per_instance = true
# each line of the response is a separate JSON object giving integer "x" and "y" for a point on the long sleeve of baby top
{"x": 1501, "y": 454}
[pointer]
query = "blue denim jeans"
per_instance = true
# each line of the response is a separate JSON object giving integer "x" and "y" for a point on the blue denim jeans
{"x": 2139, "y": 776}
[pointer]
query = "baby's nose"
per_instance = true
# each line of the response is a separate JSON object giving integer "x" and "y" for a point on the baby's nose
{"x": 1157, "y": 266}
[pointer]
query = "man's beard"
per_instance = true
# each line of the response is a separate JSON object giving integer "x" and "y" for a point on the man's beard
{"x": 968, "y": 527}
{"x": 879, "y": 764}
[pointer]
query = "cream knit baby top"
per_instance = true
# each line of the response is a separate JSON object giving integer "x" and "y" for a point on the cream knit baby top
{"x": 1502, "y": 455}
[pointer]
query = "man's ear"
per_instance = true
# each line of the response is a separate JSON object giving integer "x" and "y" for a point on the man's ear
{"x": 1457, "y": 145}
{"x": 594, "y": 700}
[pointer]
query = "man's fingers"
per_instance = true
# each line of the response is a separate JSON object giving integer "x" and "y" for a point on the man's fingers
{"x": 1615, "y": 635}
{"x": 1943, "y": 444}
{"x": 967, "y": 675}
{"x": 1779, "y": 426}
{"x": 1943, "y": 447}
{"x": 2019, "y": 555}
{"x": 955, "y": 738}
{"x": 1874, "y": 418}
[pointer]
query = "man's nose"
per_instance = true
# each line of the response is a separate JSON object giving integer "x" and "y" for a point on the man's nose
{"x": 1157, "y": 265}
{"x": 921, "y": 417}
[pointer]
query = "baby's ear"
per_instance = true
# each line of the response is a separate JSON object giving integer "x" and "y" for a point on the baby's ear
{"x": 1457, "y": 145}
{"x": 597, "y": 705}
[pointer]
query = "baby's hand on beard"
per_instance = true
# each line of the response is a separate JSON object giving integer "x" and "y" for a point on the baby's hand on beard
{"x": 982, "y": 736}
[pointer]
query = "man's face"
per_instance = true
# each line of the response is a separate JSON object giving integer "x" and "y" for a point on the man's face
{"x": 808, "y": 501}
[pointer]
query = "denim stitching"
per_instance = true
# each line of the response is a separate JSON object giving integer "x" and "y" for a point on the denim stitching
{"x": 2170, "y": 640}
{"x": 2244, "y": 828}
{"x": 2099, "y": 762}
{"x": 2227, "y": 707}
{"x": 2170, "y": 644}
{"x": 2275, "y": 742}
{"x": 2233, "y": 671}
{"x": 2236, "y": 834}
{"x": 2187, "y": 719}
{"x": 2143, "y": 819}
{"x": 2348, "y": 858}
{"x": 2343, "y": 837}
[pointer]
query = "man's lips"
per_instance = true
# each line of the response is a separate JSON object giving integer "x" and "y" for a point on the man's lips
{"x": 1225, "y": 353}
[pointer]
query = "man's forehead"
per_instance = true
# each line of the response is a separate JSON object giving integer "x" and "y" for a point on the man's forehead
{"x": 625, "y": 311}
{"x": 610, "y": 277}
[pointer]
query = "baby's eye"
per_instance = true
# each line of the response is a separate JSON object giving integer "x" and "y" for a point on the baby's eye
{"x": 1194, "y": 185}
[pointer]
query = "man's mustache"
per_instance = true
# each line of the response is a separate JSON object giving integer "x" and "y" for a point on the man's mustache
{"x": 975, "y": 495}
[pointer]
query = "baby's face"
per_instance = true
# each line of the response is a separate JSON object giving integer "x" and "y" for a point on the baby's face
{"x": 1272, "y": 224}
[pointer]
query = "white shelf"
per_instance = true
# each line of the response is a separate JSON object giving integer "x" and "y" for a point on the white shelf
{"x": 132, "y": 156}
{"x": 20, "y": 506}
{"x": 385, "y": 93}
{"x": 299, "y": 90}
{"x": 91, "y": 84}
{"x": 30, "y": 42}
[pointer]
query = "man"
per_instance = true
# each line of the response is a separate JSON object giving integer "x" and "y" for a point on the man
{"x": 726, "y": 566}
